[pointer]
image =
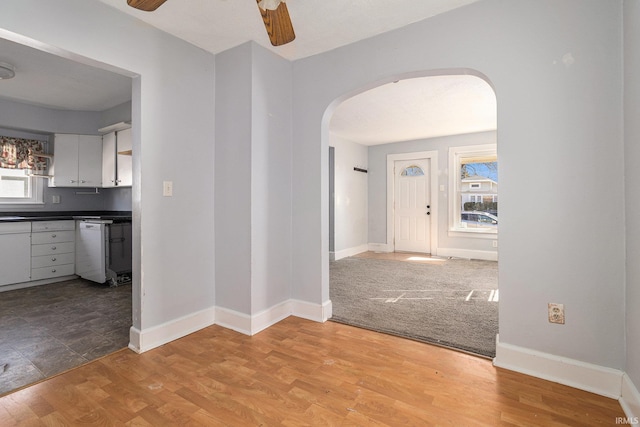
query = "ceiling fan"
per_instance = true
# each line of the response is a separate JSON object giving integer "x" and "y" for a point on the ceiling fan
{"x": 274, "y": 14}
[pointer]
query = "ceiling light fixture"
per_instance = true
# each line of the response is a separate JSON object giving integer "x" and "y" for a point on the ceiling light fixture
{"x": 6, "y": 71}
{"x": 269, "y": 4}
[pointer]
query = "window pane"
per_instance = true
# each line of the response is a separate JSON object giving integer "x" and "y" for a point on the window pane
{"x": 479, "y": 192}
{"x": 14, "y": 184}
{"x": 412, "y": 170}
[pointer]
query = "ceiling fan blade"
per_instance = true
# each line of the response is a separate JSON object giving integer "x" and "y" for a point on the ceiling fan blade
{"x": 278, "y": 24}
{"x": 146, "y": 5}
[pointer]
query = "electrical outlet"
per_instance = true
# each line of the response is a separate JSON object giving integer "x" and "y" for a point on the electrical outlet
{"x": 556, "y": 313}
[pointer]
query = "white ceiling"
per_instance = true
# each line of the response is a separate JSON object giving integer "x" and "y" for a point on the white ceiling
{"x": 417, "y": 108}
{"x": 50, "y": 81}
{"x": 320, "y": 25}
{"x": 409, "y": 109}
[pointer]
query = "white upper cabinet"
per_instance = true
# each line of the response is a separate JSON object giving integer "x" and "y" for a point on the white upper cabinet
{"x": 116, "y": 159}
{"x": 124, "y": 158}
{"x": 77, "y": 161}
{"x": 109, "y": 160}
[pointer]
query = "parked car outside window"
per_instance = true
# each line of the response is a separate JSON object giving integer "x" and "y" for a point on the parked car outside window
{"x": 476, "y": 219}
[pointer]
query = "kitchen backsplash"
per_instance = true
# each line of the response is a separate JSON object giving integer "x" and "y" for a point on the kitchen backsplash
{"x": 80, "y": 199}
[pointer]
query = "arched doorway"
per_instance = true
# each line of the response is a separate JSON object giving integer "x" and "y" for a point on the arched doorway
{"x": 426, "y": 121}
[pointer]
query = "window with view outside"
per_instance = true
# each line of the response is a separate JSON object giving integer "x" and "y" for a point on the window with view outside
{"x": 14, "y": 184}
{"x": 478, "y": 192}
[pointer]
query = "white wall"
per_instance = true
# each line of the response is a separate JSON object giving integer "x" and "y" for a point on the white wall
{"x": 173, "y": 113}
{"x": 378, "y": 191}
{"x": 270, "y": 180}
{"x": 632, "y": 157}
{"x": 351, "y": 211}
{"x": 552, "y": 115}
{"x": 18, "y": 115}
{"x": 233, "y": 171}
{"x": 253, "y": 182}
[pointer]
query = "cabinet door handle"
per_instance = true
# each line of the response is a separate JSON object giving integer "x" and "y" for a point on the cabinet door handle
{"x": 82, "y": 181}
{"x": 54, "y": 259}
{"x": 53, "y": 248}
{"x": 53, "y": 271}
{"x": 72, "y": 181}
{"x": 53, "y": 236}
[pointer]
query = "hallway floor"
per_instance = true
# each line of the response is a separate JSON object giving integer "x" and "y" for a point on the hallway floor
{"x": 49, "y": 329}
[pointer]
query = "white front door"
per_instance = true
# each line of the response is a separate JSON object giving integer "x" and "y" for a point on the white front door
{"x": 412, "y": 206}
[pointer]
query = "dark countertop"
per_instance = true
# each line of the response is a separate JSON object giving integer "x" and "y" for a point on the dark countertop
{"x": 64, "y": 215}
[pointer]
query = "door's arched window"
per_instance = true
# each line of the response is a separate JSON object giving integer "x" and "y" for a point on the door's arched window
{"x": 412, "y": 170}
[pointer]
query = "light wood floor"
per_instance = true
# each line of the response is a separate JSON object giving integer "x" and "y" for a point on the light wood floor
{"x": 402, "y": 256}
{"x": 300, "y": 373}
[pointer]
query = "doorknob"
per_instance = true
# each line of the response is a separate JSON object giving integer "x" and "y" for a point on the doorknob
{"x": 428, "y": 213}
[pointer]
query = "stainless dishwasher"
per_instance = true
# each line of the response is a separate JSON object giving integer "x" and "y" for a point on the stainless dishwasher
{"x": 103, "y": 250}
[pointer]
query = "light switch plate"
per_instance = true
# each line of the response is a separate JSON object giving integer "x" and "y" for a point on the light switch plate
{"x": 167, "y": 188}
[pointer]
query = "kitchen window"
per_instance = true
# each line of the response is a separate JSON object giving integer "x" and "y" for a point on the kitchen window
{"x": 17, "y": 187}
{"x": 19, "y": 160}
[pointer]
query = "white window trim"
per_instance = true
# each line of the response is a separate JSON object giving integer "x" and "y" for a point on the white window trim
{"x": 455, "y": 154}
{"x": 37, "y": 195}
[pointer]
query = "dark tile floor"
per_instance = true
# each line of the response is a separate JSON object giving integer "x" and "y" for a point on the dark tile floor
{"x": 48, "y": 329}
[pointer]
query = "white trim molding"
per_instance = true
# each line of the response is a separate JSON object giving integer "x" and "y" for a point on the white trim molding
{"x": 251, "y": 325}
{"x": 380, "y": 247}
{"x": 316, "y": 312}
{"x": 630, "y": 398}
{"x": 234, "y": 320}
{"x": 468, "y": 254}
{"x": 150, "y": 338}
{"x": 573, "y": 373}
{"x": 344, "y": 253}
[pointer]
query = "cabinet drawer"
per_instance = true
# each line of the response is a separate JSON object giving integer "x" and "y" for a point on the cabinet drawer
{"x": 53, "y": 225}
{"x": 52, "y": 271}
{"x": 53, "y": 248}
{"x": 51, "y": 260}
{"x": 15, "y": 227}
{"x": 53, "y": 237}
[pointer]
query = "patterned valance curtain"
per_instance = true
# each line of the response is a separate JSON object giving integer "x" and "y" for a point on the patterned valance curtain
{"x": 17, "y": 153}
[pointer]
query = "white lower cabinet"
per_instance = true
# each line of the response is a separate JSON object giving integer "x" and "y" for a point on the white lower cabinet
{"x": 52, "y": 249}
{"x": 15, "y": 247}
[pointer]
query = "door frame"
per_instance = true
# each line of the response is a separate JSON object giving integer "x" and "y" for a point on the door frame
{"x": 432, "y": 157}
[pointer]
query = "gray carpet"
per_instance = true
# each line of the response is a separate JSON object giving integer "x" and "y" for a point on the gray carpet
{"x": 451, "y": 303}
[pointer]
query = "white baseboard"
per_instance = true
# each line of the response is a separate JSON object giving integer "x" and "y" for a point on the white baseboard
{"x": 380, "y": 247}
{"x": 344, "y": 253}
{"x": 630, "y": 399}
{"x": 147, "y": 339}
{"x": 574, "y": 373}
{"x": 234, "y": 320}
{"x": 468, "y": 254}
{"x": 316, "y": 312}
{"x": 251, "y": 325}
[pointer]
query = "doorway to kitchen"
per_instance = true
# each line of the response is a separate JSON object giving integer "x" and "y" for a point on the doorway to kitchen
{"x": 55, "y": 323}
